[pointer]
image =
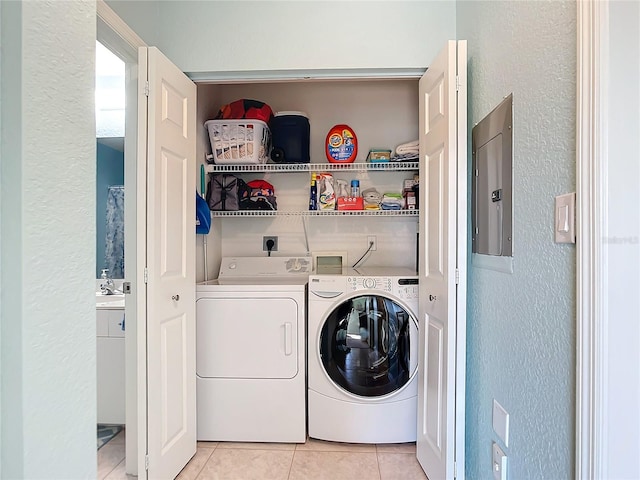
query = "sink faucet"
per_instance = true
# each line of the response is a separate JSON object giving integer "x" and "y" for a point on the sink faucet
{"x": 106, "y": 286}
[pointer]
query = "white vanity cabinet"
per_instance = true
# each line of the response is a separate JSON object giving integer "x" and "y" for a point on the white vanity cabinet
{"x": 110, "y": 365}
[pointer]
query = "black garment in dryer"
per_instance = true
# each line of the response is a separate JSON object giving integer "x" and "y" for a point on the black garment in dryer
{"x": 364, "y": 346}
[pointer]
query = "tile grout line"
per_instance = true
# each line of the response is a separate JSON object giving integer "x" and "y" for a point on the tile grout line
{"x": 292, "y": 459}
{"x": 204, "y": 464}
{"x": 378, "y": 463}
{"x": 114, "y": 467}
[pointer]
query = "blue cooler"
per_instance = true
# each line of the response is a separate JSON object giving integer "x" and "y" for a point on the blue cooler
{"x": 290, "y": 137}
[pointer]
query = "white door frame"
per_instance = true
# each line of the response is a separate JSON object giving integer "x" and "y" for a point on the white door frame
{"x": 115, "y": 34}
{"x": 591, "y": 259}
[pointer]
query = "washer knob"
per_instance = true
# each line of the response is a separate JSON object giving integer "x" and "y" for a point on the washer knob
{"x": 369, "y": 283}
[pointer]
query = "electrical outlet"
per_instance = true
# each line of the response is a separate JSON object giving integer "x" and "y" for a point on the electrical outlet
{"x": 265, "y": 243}
{"x": 371, "y": 239}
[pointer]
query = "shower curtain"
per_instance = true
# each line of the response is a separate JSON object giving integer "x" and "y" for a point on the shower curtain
{"x": 114, "y": 241}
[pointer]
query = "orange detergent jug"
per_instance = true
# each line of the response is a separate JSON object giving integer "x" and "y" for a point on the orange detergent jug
{"x": 341, "y": 144}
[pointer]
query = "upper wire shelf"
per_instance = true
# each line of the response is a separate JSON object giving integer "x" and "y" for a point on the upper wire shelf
{"x": 314, "y": 167}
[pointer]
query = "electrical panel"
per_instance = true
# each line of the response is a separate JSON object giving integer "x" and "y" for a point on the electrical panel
{"x": 492, "y": 182}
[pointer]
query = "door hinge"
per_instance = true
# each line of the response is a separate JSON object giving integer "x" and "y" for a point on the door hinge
{"x": 146, "y": 275}
{"x": 146, "y": 88}
{"x": 146, "y": 462}
{"x": 457, "y": 276}
{"x": 457, "y": 83}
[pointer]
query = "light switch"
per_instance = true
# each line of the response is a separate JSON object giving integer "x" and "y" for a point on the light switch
{"x": 501, "y": 422}
{"x": 565, "y": 224}
{"x": 498, "y": 463}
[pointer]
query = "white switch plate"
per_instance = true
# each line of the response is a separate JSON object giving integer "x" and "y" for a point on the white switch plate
{"x": 565, "y": 224}
{"x": 501, "y": 422}
{"x": 498, "y": 463}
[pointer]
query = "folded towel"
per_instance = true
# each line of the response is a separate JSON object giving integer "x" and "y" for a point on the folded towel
{"x": 409, "y": 147}
{"x": 371, "y": 197}
{"x": 405, "y": 157}
{"x": 390, "y": 206}
{"x": 392, "y": 201}
{"x": 392, "y": 197}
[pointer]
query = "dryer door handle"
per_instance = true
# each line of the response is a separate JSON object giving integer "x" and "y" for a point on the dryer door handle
{"x": 287, "y": 338}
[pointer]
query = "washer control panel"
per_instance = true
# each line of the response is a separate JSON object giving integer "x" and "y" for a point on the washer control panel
{"x": 404, "y": 288}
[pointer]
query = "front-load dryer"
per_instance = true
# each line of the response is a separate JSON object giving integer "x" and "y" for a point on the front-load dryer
{"x": 250, "y": 351}
{"x": 363, "y": 356}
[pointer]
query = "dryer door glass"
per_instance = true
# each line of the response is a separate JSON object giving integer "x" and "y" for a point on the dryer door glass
{"x": 365, "y": 345}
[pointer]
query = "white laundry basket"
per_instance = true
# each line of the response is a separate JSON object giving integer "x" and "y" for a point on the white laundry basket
{"x": 239, "y": 142}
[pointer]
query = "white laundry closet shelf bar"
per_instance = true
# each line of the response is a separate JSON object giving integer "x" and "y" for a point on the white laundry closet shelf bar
{"x": 315, "y": 213}
{"x": 314, "y": 167}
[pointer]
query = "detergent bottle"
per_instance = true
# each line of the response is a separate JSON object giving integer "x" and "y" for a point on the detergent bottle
{"x": 313, "y": 193}
{"x": 341, "y": 144}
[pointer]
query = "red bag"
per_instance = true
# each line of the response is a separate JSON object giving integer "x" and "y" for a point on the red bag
{"x": 260, "y": 195}
{"x": 246, "y": 109}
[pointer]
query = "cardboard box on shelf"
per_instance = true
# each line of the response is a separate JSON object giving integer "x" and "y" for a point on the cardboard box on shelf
{"x": 350, "y": 203}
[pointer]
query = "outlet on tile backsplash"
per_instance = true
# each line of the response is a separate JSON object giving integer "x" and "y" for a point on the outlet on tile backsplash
{"x": 395, "y": 238}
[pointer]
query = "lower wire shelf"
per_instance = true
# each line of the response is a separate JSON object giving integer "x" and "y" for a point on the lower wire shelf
{"x": 316, "y": 213}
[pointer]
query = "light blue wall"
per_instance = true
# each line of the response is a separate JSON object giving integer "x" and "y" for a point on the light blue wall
{"x": 521, "y": 326}
{"x": 143, "y": 16}
{"x": 1, "y": 83}
{"x": 110, "y": 171}
{"x": 205, "y": 36}
{"x": 48, "y": 367}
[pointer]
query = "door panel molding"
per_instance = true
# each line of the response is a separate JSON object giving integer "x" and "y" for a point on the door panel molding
{"x": 591, "y": 261}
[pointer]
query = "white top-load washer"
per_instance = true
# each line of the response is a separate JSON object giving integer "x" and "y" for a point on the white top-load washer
{"x": 363, "y": 355}
{"x": 250, "y": 351}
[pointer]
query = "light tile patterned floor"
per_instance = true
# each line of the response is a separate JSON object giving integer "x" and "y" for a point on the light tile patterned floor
{"x": 314, "y": 460}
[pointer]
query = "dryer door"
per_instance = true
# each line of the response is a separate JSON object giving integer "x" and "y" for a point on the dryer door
{"x": 369, "y": 346}
{"x": 247, "y": 336}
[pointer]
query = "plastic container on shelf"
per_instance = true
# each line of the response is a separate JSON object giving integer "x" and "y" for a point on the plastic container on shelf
{"x": 313, "y": 193}
{"x": 239, "y": 142}
{"x": 355, "y": 188}
{"x": 290, "y": 134}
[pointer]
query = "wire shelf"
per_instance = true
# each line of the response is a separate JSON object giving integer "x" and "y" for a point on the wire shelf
{"x": 314, "y": 167}
{"x": 316, "y": 213}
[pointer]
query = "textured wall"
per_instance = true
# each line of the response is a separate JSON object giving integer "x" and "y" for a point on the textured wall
{"x": 48, "y": 195}
{"x": 274, "y": 35}
{"x": 521, "y": 326}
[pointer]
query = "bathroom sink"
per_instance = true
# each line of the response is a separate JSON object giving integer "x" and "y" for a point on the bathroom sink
{"x": 109, "y": 301}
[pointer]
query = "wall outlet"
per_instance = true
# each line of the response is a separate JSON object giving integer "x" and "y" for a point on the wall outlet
{"x": 371, "y": 239}
{"x": 266, "y": 242}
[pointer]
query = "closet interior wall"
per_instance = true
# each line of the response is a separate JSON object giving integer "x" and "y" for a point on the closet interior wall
{"x": 383, "y": 114}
